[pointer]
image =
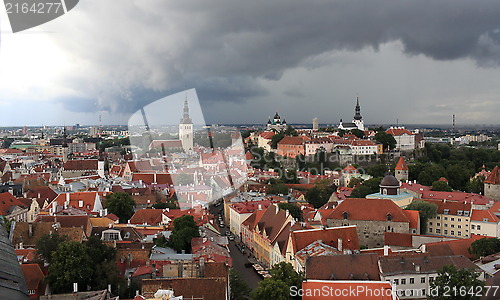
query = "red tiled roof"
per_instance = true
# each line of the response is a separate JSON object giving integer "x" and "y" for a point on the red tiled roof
{"x": 443, "y": 179}
{"x": 343, "y": 267}
{"x": 165, "y": 144}
{"x": 33, "y": 275}
{"x": 81, "y": 164}
{"x": 41, "y": 192}
{"x": 494, "y": 177}
{"x": 7, "y": 200}
{"x": 453, "y": 247}
{"x": 452, "y": 206}
{"x": 267, "y": 135}
{"x": 413, "y": 216}
{"x": 350, "y": 169}
{"x": 249, "y": 156}
{"x": 330, "y": 236}
{"x": 147, "y": 216}
{"x": 398, "y": 239}
{"x": 398, "y": 131}
{"x": 401, "y": 165}
{"x": 291, "y": 140}
{"x": 483, "y": 216}
{"x": 368, "y": 209}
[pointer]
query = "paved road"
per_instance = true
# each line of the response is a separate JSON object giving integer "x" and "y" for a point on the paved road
{"x": 249, "y": 275}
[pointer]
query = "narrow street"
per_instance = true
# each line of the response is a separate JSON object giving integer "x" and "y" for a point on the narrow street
{"x": 249, "y": 275}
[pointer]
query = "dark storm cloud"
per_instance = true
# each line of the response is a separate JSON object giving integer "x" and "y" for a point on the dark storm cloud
{"x": 137, "y": 51}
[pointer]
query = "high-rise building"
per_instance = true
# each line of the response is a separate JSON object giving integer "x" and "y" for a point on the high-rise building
{"x": 186, "y": 129}
{"x": 315, "y": 124}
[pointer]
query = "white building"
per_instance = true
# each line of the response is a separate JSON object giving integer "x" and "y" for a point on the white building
{"x": 186, "y": 129}
{"x": 405, "y": 139}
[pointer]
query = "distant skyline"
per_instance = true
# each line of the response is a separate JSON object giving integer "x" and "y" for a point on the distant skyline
{"x": 418, "y": 62}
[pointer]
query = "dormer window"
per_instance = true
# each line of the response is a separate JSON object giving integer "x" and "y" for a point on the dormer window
{"x": 345, "y": 215}
{"x": 466, "y": 213}
{"x": 459, "y": 213}
{"x": 389, "y": 217}
{"x": 446, "y": 211}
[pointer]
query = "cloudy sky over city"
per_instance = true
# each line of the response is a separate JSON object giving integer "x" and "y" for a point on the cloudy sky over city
{"x": 408, "y": 61}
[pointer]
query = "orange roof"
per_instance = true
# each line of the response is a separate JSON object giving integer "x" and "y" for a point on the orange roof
{"x": 7, "y": 200}
{"x": 267, "y": 135}
{"x": 494, "y": 177}
{"x": 413, "y": 216}
{"x": 398, "y": 239}
{"x": 483, "y": 216}
{"x": 335, "y": 289}
{"x": 148, "y": 216}
{"x": 350, "y": 169}
{"x": 453, "y": 247}
{"x": 33, "y": 275}
{"x": 443, "y": 179}
{"x": 398, "y": 131}
{"x": 329, "y": 236}
{"x": 368, "y": 209}
{"x": 401, "y": 165}
{"x": 249, "y": 156}
{"x": 291, "y": 140}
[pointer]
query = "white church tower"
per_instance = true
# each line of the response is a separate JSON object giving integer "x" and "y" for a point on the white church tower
{"x": 186, "y": 129}
{"x": 358, "y": 120}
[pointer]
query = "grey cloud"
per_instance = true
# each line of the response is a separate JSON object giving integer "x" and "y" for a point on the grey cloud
{"x": 135, "y": 52}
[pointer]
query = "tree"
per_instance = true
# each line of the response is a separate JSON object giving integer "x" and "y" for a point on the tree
{"x": 291, "y": 131}
{"x": 358, "y": 133}
{"x": 277, "y": 188}
{"x": 452, "y": 283}
{"x": 485, "y": 247}
{"x": 278, "y": 286}
{"x": 441, "y": 186}
{"x": 70, "y": 263}
{"x": 275, "y": 140}
{"x": 319, "y": 194}
{"x": 290, "y": 176}
{"x": 103, "y": 264}
{"x": 387, "y": 140}
{"x": 121, "y": 204}
{"x": 378, "y": 170}
{"x": 367, "y": 187}
{"x": 426, "y": 210}
{"x": 184, "y": 230}
{"x": 47, "y": 245}
{"x": 239, "y": 288}
{"x": 476, "y": 185}
{"x": 293, "y": 209}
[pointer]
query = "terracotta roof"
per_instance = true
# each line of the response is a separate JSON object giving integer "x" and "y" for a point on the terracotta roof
{"x": 350, "y": 169}
{"x": 484, "y": 216}
{"x": 139, "y": 165}
{"x": 368, "y": 209}
{"x": 453, "y": 207}
{"x": 401, "y": 165}
{"x": 147, "y": 216}
{"x": 267, "y": 135}
{"x": 394, "y": 265}
{"x": 7, "y": 201}
{"x": 343, "y": 267}
{"x": 22, "y": 234}
{"x": 329, "y": 236}
{"x": 249, "y": 156}
{"x": 398, "y": 131}
{"x": 67, "y": 221}
{"x": 494, "y": 177}
{"x": 33, "y": 275}
{"x": 165, "y": 144}
{"x": 443, "y": 179}
{"x": 398, "y": 239}
{"x": 291, "y": 140}
{"x": 272, "y": 222}
{"x": 41, "y": 192}
{"x": 413, "y": 216}
{"x": 453, "y": 247}
{"x": 81, "y": 164}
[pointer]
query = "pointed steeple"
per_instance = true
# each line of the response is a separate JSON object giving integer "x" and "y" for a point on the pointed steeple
{"x": 186, "y": 119}
{"x": 357, "y": 114}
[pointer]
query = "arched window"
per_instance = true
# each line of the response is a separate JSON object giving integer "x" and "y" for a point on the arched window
{"x": 384, "y": 191}
{"x": 345, "y": 215}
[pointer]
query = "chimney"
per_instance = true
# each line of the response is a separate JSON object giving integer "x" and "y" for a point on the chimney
{"x": 423, "y": 248}
{"x": 30, "y": 229}
{"x": 67, "y": 197}
{"x": 417, "y": 267}
{"x": 260, "y": 206}
{"x": 287, "y": 213}
{"x": 109, "y": 288}
{"x": 386, "y": 250}
{"x": 339, "y": 244}
{"x": 75, "y": 287}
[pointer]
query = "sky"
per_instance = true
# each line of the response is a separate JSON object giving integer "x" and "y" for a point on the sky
{"x": 412, "y": 62}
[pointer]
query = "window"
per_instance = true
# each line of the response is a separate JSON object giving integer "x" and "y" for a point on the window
{"x": 445, "y": 225}
{"x": 389, "y": 217}
{"x": 438, "y": 217}
{"x": 431, "y": 279}
{"x": 459, "y": 220}
{"x": 446, "y": 211}
{"x": 422, "y": 280}
{"x": 345, "y": 215}
{"x": 452, "y": 232}
{"x": 396, "y": 281}
{"x": 473, "y": 227}
{"x": 452, "y": 226}
{"x": 459, "y": 233}
{"x": 31, "y": 292}
{"x": 438, "y": 224}
{"x": 430, "y": 230}
{"x": 453, "y": 219}
{"x": 459, "y": 226}
{"x": 459, "y": 213}
{"x": 478, "y": 227}
{"x": 485, "y": 219}
{"x": 466, "y": 213}
{"x": 446, "y": 218}
{"x": 438, "y": 230}
{"x": 430, "y": 223}
{"x": 412, "y": 280}
{"x": 446, "y": 232}
{"x": 403, "y": 280}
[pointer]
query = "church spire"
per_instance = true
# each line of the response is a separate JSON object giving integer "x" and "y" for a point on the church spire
{"x": 186, "y": 119}
{"x": 357, "y": 114}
